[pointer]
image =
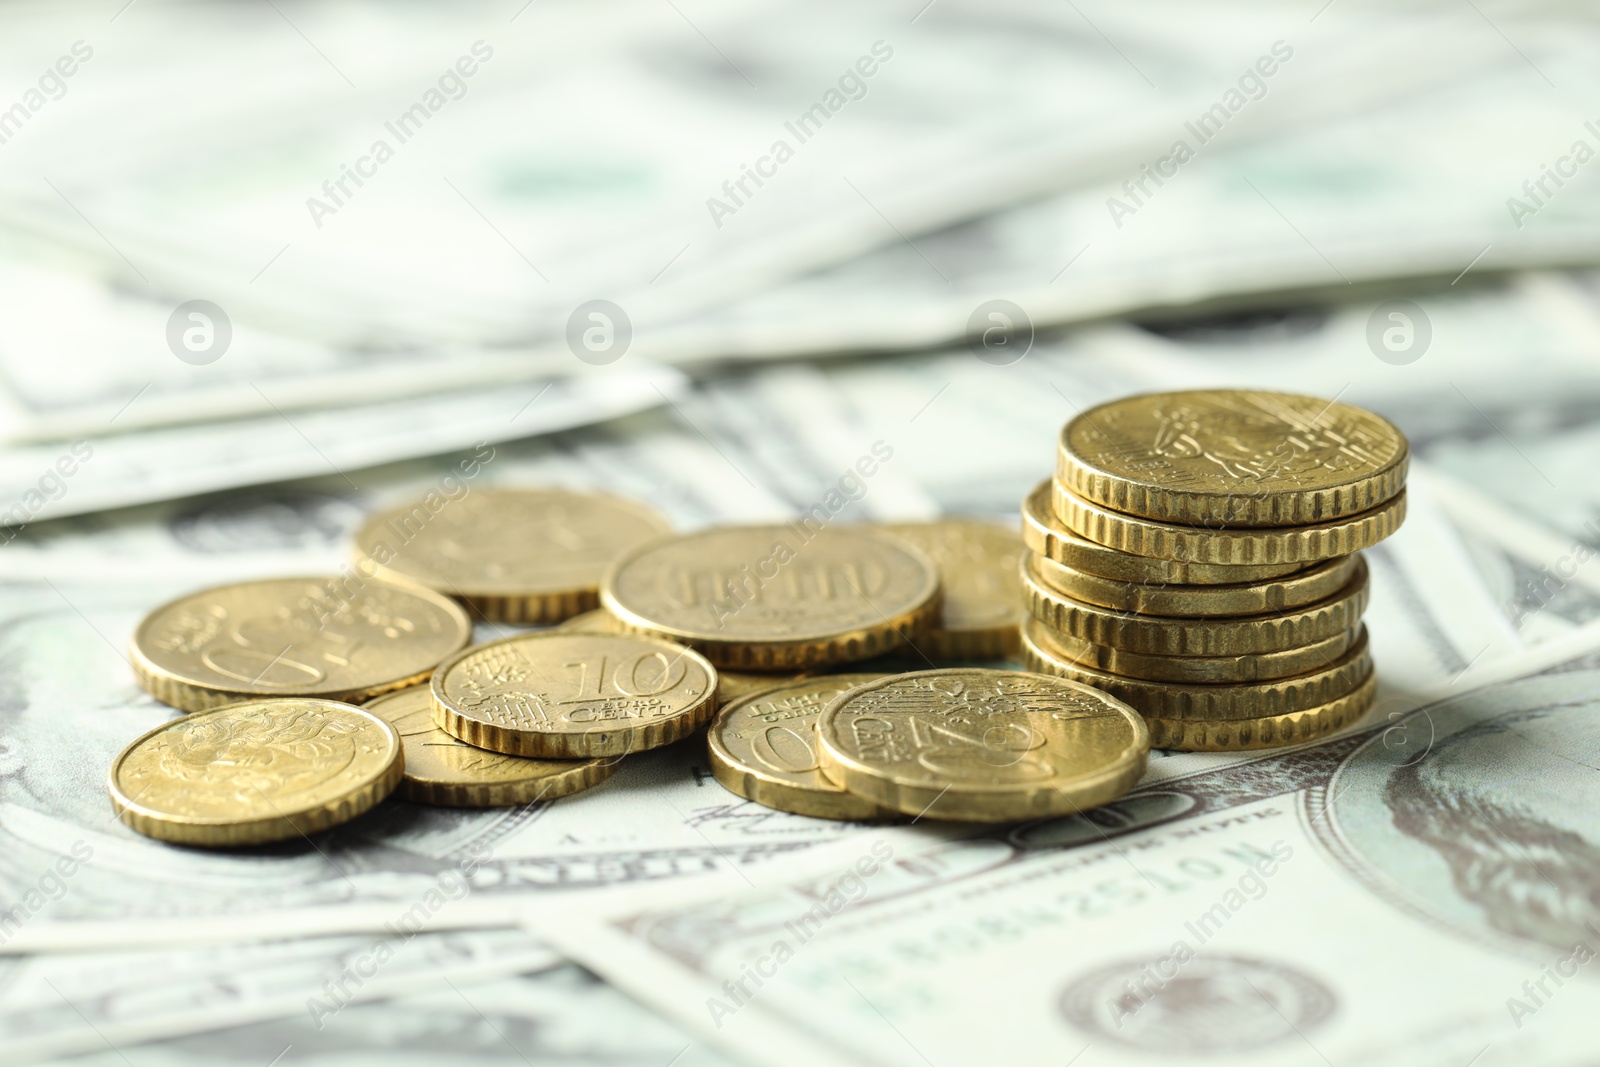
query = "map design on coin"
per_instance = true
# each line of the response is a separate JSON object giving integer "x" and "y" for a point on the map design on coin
{"x": 1187, "y": 1004}
{"x": 256, "y": 771}
{"x": 1482, "y": 813}
{"x": 1221, "y": 438}
{"x": 295, "y": 636}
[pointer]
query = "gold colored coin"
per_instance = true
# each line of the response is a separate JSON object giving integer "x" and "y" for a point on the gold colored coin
{"x": 1233, "y": 735}
{"x": 1252, "y": 598}
{"x": 731, "y": 685}
{"x": 337, "y": 638}
{"x": 444, "y": 771}
{"x": 1232, "y": 457}
{"x": 1231, "y": 545}
{"x": 1042, "y": 646}
{"x": 1240, "y": 700}
{"x": 1167, "y": 635}
{"x": 514, "y": 555}
{"x": 764, "y": 748}
{"x": 560, "y": 695}
{"x": 772, "y": 598}
{"x": 258, "y": 771}
{"x": 981, "y": 745}
{"x": 1044, "y": 534}
{"x": 977, "y": 564}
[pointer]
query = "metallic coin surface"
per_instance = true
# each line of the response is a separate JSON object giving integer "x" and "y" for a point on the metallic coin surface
{"x": 336, "y": 638}
{"x": 559, "y": 695}
{"x": 771, "y": 598}
{"x": 1232, "y": 457}
{"x": 513, "y": 555}
{"x": 764, "y": 748}
{"x": 977, "y": 564}
{"x": 1043, "y": 648}
{"x": 731, "y": 685}
{"x": 1317, "y": 582}
{"x": 1238, "y": 700}
{"x": 1233, "y": 544}
{"x": 1168, "y": 635}
{"x": 258, "y": 771}
{"x": 444, "y": 771}
{"x": 1045, "y": 535}
{"x": 981, "y": 745}
{"x": 1232, "y": 735}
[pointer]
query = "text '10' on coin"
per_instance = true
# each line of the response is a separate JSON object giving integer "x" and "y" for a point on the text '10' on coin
{"x": 336, "y": 638}
{"x": 777, "y": 597}
{"x": 513, "y": 555}
{"x": 977, "y": 564}
{"x": 444, "y": 771}
{"x": 557, "y": 695}
{"x": 731, "y": 685}
{"x": 1232, "y": 457}
{"x": 981, "y": 745}
{"x": 254, "y": 772}
{"x": 764, "y": 748}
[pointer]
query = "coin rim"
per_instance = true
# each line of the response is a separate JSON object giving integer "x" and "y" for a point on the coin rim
{"x": 1218, "y": 701}
{"x": 439, "y": 793}
{"x": 771, "y": 791}
{"x": 1275, "y": 508}
{"x": 511, "y": 603}
{"x": 1171, "y": 635}
{"x": 1045, "y": 534}
{"x": 956, "y": 642}
{"x": 815, "y": 649}
{"x": 1227, "y": 545}
{"x": 1040, "y": 639}
{"x": 1317, "y": 582}
{"x": 995, "y": 804}
{"x": 190, "y": 695}
{"x": 572, "y": 746}
{"x": 280, "y": 826}
{"x": 1270, "y": 731}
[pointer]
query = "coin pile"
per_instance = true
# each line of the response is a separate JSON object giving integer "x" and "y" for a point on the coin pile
{"x": 742, "y": 617}
{"x": 1197, "y": 556}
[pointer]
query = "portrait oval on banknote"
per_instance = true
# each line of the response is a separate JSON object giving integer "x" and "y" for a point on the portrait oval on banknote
{"x": 1482, "y": 813}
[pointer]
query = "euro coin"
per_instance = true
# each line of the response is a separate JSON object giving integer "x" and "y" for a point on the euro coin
{"x": 1043, "y": 647}
{"x": 257, "y": 771}
{"x": 1233, "y": 735}
{"x": 772, "y": 598}
{"x": 979, "y": 745}
{"x": 977, "y": 564}
{"x": 336, "y": 638}
{"x": 512, "y": 555}
{"x": 1167, "y": 635}
{"x": 443, "y": 771}
{"x": 731, "y": 685}
{"x": 1315, "y": 583}
{"x": 764, "y": 748}
{"x": 1239, "y": 700}
{"x": 1045, "y": 535}
{"x": 556, "y": 695}
{"x": 1233, "y": 544}
{"x": 1232, "y": 457}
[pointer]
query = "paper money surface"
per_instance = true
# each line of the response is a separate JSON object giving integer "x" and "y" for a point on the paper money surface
{"x": 1418, "y": 891}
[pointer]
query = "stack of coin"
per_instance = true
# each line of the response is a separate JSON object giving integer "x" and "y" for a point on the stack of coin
{"x": 1196, "y": 555}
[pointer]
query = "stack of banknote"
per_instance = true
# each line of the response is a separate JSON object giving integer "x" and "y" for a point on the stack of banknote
{"x": 272, "y": 270}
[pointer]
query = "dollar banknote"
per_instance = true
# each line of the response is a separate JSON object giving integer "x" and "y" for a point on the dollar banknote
{"x": 560, "y": 1016}
{"x": 1418, "y": 891}
{"x": 52, "y": 1006}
